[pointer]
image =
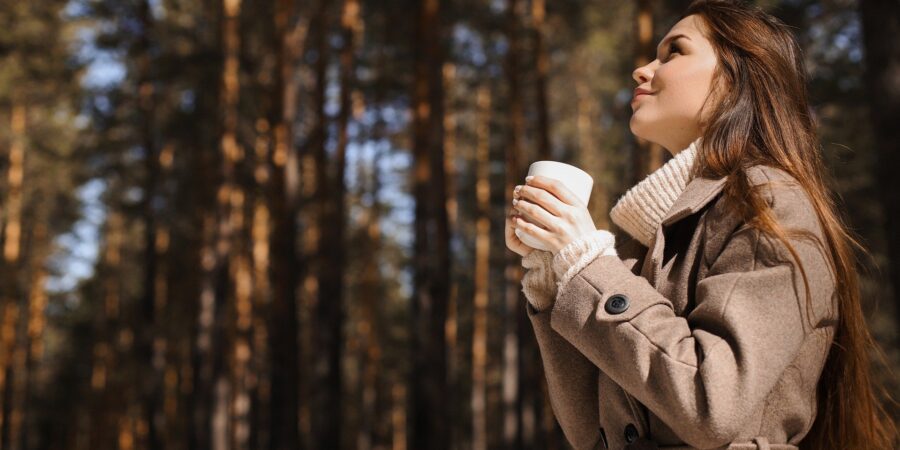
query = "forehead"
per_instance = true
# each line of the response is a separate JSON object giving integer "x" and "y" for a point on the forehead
{"x": 692, "y": 26}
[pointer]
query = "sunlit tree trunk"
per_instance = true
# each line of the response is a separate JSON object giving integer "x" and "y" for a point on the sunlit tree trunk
{"x": 103, "y": 399}
{"x": 370, "y": 327}
{"x": 512, "y": 403}
{"x": 206, "y": 345}
{"x": 33, "y": 344}
{"x": 587, "y": 116}
{"x": 451, "y": 328}
{"x": 542, "y": 70}
{"x": 648, "y": 156}
{"x": 481, "y": 270}
{"x": 163, "y": 362}
{"x": 231, "y": 266}
{"x": 11, "y": 289}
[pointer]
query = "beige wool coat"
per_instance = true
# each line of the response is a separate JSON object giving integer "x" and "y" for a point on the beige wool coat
{"x": 702, "y": 340}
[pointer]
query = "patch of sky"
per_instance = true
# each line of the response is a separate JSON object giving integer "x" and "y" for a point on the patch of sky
{"x": 157, "y": 9}
{"x": 74, "y": 9}
{"x": 469, "y": 44}
{"x": 133, "y": 195}
{"x": 102, "y": 103}
{"x": 77, "y": 250}
{"x": 187, "y": 100}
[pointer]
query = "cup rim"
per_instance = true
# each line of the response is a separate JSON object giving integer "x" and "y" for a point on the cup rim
{"x": 560, "y": 164}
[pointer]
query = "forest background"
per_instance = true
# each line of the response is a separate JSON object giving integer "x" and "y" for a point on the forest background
{"x": 278, "y": 224}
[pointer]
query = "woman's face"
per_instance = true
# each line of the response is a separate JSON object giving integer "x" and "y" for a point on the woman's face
{"x": 677, "y": 83}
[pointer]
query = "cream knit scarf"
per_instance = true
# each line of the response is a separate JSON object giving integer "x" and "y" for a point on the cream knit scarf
{"x": 640, "y": 211}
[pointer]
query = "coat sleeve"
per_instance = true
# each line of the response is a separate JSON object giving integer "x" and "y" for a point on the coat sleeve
{"x": 571, "y": 377}
{"x": 703, "y": 374}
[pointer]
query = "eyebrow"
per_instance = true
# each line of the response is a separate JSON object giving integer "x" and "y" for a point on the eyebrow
{"x": 669, "y": 39}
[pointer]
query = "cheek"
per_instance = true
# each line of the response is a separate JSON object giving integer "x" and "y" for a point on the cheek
{"x": 684, "y": 91}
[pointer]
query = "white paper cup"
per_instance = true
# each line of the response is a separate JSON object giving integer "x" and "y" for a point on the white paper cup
{"x": 575, "y": 179}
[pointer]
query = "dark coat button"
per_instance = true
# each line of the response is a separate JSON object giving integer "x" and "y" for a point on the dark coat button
{"x": 631, "y": 433}
{"x": 616, "y": 304}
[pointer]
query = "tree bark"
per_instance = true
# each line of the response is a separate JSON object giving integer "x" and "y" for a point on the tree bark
{"x": 229, "y": 211}
{"x": 880, "y": 20}
{"x": 11, "y": 289}
{"x": 542, "y": 69}
{"x": 482, "y": 271}
{"x": 514, "y": 298}
{"x": 326, "y": 414}
{"x": 431, "y": 281}
{"x": 648, "y": 156}
{"x": 284, "y": 345}
{"x": 150, "y": 378}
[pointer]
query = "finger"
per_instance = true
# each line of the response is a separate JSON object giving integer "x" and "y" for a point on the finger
{"x": 533, "y": 230}
{"x": 543, "y": 198}
{"x": 555, "y": 187}
{"x": 511, "y": 220}
{"x": 539, "y": 215}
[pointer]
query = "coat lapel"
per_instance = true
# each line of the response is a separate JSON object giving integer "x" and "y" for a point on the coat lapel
{"x": 697, "y": 194}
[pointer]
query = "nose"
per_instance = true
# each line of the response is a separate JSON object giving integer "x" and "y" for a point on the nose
{"x": 644, "y": 73}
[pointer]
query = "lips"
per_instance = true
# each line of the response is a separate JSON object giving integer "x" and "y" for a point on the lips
{"x": 639, "y": 92}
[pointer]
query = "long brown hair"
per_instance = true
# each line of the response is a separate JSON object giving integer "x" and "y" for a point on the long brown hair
{"x": 760, "y": 115}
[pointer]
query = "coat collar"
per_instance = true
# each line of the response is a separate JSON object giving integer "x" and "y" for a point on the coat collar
{"x": 697, "y": 194}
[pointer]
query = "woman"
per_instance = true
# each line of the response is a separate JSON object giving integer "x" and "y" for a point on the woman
{"x": 727, "y": 315}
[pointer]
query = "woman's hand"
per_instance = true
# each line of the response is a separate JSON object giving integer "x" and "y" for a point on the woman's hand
{"x": 512, "y": 241}
{"x": 561, "y": 215}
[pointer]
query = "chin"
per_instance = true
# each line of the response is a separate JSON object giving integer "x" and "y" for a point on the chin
{"x": 639, "y": 128}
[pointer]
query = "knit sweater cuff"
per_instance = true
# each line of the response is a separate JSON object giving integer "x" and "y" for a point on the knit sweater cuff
{"x": 539, "y": 281}
{"x": 575, "y": 256}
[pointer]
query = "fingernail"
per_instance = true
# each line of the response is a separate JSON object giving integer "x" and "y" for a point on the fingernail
{"x": 515, "y": 201}
{"x": 529, "y": 178}
{"x": 517, "y": 189}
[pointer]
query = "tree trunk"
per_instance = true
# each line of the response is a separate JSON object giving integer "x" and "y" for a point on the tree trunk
{"x": 512, "y": 404}
{"x": 284, "y": 345}
{"x": 314, "y": 183}
{"x": 431, "y": 284}
{"x": 542, "y": 69}
{"x": 150, "y": 378}
{"x": 370, "y": 327}
{"x": 453, "y": 307}
{"x": 230, "y": 211}
{"x": 328, "y": 345}
{"x": 204, "y": 185}
{"x": 881, "y": 19}
{"x": 106, "y": 406}
{"x": 482, "y": 271}
{"x": 648, "y": 156}
{"x": 11, "y": 288}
